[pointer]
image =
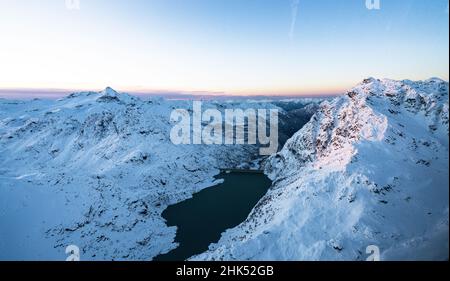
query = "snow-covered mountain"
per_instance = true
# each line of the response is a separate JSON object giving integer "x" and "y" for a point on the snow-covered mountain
{"x": 96, "y": 170}
{"x": 370, "y": 168}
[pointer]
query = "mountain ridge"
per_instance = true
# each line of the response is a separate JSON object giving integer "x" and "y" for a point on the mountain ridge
{"x": 370, "y": 168}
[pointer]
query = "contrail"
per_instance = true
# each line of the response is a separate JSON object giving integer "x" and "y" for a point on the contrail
{"x": 294, "y": 13}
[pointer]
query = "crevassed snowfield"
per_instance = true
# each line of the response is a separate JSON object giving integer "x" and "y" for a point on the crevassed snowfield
{"x": 97, "y": 170}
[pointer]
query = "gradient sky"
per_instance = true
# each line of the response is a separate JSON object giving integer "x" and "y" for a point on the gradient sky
{"x": 232, "y": 46}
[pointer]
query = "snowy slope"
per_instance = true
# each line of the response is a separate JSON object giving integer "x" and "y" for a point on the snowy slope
{"x": 96, "y": 170}
{"x": 370, "y": 168}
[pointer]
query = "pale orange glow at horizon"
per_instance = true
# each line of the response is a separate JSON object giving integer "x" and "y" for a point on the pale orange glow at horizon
{"x": 189, "y": 46}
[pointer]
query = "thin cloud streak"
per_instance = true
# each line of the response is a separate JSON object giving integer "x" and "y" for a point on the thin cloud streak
{"x": 294, "y": 13}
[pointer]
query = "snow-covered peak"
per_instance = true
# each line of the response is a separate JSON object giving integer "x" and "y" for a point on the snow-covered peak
{"x": 370, "y": 168}
{"x": 365, "y": 113}
{"x": 110, "y": 95}
{"x": 109, "y": 92}
{"x": 402, "y": 91}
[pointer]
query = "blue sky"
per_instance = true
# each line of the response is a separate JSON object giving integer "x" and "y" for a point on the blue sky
{"x": 231, "y": 46}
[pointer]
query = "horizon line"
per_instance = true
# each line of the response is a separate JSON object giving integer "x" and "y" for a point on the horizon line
{"x": 55, "y": 93}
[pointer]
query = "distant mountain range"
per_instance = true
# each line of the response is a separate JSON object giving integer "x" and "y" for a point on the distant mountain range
{"x": 22, "y": 94}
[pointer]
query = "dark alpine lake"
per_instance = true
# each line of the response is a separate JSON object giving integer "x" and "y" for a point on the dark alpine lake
{"x": 202, "y": 219}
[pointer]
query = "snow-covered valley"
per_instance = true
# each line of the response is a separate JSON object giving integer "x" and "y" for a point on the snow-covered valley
{"x": 98, "y": 169}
